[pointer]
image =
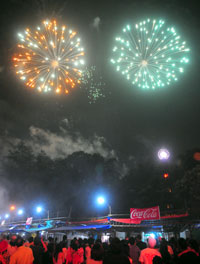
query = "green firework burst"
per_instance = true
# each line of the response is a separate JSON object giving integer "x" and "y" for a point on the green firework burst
{"x": 150, "y": 54}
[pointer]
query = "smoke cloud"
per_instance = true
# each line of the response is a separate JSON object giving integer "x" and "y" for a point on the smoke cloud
{"x": 4, "y": 200}
{"x": 64, "y": 144}
{"x": 96, "y": 23}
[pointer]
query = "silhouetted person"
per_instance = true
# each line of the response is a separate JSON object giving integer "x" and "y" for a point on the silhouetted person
{"x": 63, "y": 243}
{"x": 134, "y": 251}
{"x": 116, "y": 255}
{"x": 97, "y": 254}
{"x": 187, "y": 255}
{"x": 38, "y": 251}
{"x": 140, "y": 243}
{"x": 164, "y": 252}
{"x": 58, "y": 256}
{"x": 157, "y": 260}
{"x": 193, "y": 245}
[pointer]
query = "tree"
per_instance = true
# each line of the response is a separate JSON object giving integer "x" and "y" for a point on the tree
{"x": 187, "y": 188}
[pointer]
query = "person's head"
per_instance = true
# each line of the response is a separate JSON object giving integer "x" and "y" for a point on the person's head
{"x": 151, "y": 242}
{"x": 173, "y": 243}
{"x": 115, "y": 246}
{"x": 13, "y": 238}
{"x": 37, "y": 241}
{"x": 57, "y": 251}
{"x": 13, "y": 241}
{"x": 182, "y": 244}
{"x": 85, "y": 241}
{"x": 50, "y": 248}
{"x": 98, "y": 241}
{"x": 30, "y": 239}
{"x": 80, "y": 242}
{"x": 77, "y": 242}
{"x": 124, "y": 241}
{"x": 157, "y": 260}
{"x": 19, "y": 241}
{"x": 3, "y": 246}
{"x": 138, "y": 238}
{"x": 194, "y": 245}
{"x": 97, "y": 252}
{"x": 132, "y": 241}
{"x": 50, "y": 239}
{"x": 58, "y": 248}
{"x": 164, "y": 251}
{"x": 125, "y": 249}
{"x": 64, "y": 238}
{"x": 74, "y": 246}
{"x": 91, "y": 241}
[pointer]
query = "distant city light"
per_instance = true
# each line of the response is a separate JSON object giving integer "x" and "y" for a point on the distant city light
{"x": 166, "y": 175}
{"x": 100, "y": 200}
{"x": 163, "y": 154}
{"x": 196, "y": 156}
{"x": 7, "y": 216}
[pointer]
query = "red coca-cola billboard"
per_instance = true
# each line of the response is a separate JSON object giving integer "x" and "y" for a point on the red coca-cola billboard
{"x": 151, "y": 213}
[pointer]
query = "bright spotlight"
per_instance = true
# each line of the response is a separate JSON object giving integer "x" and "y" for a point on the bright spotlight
{"x": 39, "y": 209}
{"x": 163, "y": 154}
{"x": 7, "y": 216}
{"x": 12, "y": 208}
{"x": 20, "y": 212}
{"x": 100, "y": 200}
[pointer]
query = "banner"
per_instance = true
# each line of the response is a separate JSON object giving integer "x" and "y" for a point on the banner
{"x": 152, "y": 213}
{"x": 29, "y": 221}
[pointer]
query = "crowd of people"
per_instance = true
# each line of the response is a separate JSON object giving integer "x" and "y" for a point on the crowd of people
{"x": 16, "y": 250}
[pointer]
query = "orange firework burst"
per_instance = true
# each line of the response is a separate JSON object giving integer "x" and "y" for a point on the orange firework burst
{"x": 50, "y": 58}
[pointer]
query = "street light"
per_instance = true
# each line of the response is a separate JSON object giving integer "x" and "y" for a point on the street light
{"x": 39, "y": 209}
{"x": 163, "y": 154}
{"x": 7, "y": 216}
{"x": 20, "y": 212}
{"x": 165, "y": 175}
{"x": 12, "y": 208}
{"x": 101, "y": 201}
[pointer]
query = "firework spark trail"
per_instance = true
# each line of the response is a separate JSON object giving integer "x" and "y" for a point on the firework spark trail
{"x": 93, "y": 84}
{"x": 150, "y": 54}
{"x": 50, "y": 58}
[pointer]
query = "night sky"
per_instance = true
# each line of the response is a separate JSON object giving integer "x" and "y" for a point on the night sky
{"x": 129, "y": 123}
